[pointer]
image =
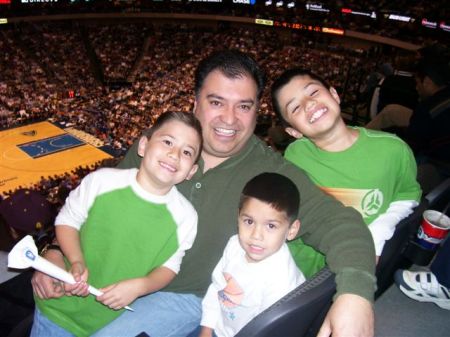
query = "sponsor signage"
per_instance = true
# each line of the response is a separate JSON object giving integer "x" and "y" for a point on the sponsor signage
{"x": 264, "y": 22}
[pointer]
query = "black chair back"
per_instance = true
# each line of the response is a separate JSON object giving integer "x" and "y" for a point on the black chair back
{"x": 298, "y": 314}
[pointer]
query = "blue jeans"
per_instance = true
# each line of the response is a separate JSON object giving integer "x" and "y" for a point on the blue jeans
{"x": 43, "y": 327}
{"x": 161, "y": 314}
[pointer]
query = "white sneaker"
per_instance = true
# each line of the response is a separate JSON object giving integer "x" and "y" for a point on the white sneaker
{"x": 423, "y": 287}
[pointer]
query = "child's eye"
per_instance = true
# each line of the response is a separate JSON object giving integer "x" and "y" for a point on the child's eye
{"x": 187, "y": 153}
{"x": 248, "y": 221}
{"x": 314, "y": 92}
{"x": 167, "y": 142}
{"x": 271, "y": 226}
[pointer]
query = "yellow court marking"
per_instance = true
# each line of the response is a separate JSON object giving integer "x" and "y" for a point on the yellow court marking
{"x": 19, "y": 169}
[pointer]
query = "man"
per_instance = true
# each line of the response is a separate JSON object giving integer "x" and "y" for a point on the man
{"x": 228, "y": 87}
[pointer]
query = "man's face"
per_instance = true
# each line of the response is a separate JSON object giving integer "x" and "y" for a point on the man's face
{"x": 308, "y": 106}
{"x": 226, "y": 108}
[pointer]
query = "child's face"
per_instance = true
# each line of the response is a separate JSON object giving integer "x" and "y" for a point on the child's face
{"x": 263, "y": 229}
{"x": 168, "y": 157}
{"x": 309, "y": 107}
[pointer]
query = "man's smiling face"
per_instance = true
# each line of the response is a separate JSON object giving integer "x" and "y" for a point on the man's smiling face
{"x": 226, "y": 108}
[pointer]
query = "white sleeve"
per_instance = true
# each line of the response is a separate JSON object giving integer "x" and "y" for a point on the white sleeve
{"x": 75, "y": 210}
{"x": 211, "y": 311}
{"x": 383, "y": 227}
{"x": 186, "y": 232}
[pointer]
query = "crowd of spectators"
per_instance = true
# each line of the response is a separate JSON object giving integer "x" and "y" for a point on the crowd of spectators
{"x": 366, "y": 16}
{"x": 48, "y": 73}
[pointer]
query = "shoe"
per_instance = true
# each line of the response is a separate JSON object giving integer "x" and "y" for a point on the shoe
{"x": 423, "y": 287}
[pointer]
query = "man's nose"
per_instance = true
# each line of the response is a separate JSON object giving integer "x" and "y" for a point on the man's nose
{"x": 229, "y": 115}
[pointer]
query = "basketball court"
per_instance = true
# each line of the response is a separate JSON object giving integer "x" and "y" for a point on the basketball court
{"x": 42, "y": 150}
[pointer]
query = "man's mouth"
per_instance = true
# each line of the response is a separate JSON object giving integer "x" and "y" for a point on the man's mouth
{"x": 224, "y": 132}
{"x": 317, "y": 114}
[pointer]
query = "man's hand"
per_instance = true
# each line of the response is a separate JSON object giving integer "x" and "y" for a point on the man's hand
{"x": 44, "y": 286}
{"x": 349, "y": 316}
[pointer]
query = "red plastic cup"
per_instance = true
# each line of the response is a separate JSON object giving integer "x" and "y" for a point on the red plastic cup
{"x": 434, "y": 228}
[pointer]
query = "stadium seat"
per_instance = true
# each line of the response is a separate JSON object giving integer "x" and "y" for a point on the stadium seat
{"x": 299, "y": 313}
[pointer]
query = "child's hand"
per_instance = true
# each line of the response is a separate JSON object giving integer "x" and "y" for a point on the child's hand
{"x": 80, "y": 274}
{"x": 118, "y": 295}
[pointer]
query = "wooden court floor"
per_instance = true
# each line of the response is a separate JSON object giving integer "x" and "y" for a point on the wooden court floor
{"x": 17, "y": 168}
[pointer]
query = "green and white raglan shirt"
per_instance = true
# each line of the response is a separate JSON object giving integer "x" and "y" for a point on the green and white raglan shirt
{"x": 376, "y": 176}
{"x": 125, "y": 232}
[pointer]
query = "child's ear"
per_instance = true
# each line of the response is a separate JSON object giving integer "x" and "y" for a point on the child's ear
{"x": 293, "y": 230}
{"x": 335, "y": 95}
{"x": 192, "y": 171}
{"x": 141, "y": 146}
{"x": 293, "y": 132}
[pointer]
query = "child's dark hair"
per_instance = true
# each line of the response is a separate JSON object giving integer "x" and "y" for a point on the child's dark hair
{"x": 276, "y": 190}
{"x": 185, "y": 117}
{"x": 284, "y": 79}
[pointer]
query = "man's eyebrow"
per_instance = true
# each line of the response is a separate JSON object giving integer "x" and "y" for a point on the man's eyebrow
{"x": 220, "y": 98}
{"x": 215, "y": 96}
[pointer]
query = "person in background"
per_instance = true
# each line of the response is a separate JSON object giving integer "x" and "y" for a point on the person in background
{"x": 371, "y": 171}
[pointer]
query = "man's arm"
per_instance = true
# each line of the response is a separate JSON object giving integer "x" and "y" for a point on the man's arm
{"x": 340, "y": 233}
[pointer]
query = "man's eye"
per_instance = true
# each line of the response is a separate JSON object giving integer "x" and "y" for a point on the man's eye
{"x": 246, "y": 107}
{"x": 216, "y": 103}
{"x": 314, "y": 92}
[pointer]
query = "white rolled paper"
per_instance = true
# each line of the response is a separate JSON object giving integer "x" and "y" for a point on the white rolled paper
{"x": 24, "y": 255}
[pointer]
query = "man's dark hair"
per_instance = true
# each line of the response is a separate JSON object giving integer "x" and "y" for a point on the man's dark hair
{"x": 274, "y": 189}
{"x": 284, "y": 79}
{"x": 187, "y": 118}
{"x": 233, "y": 64}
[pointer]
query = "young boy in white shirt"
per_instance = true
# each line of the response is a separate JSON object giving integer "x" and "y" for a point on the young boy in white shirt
{"x": 256, "y": 268}
{"x": 125, "y": 231}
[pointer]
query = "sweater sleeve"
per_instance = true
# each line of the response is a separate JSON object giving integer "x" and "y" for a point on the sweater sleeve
{"x": 338, "y": 232}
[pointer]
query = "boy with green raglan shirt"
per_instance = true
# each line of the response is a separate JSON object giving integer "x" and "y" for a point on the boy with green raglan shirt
{"x": 129, "y": 228}
{"x": 374, "y": 172}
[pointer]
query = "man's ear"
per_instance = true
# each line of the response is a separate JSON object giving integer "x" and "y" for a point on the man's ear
{"x": 293, "y": 230}
{"x": 335, "y": 95}
{"x": 192, "y": 171}
{"x": 141, "y": 146}
{"x": 293, "y": 133}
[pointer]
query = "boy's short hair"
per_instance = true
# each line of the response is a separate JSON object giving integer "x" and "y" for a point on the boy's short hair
{"x": 186, "y": 118}
{"x": 276, "y": 190}
{"x": 284, "y": 79}
{"x": 233, "y": 64}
